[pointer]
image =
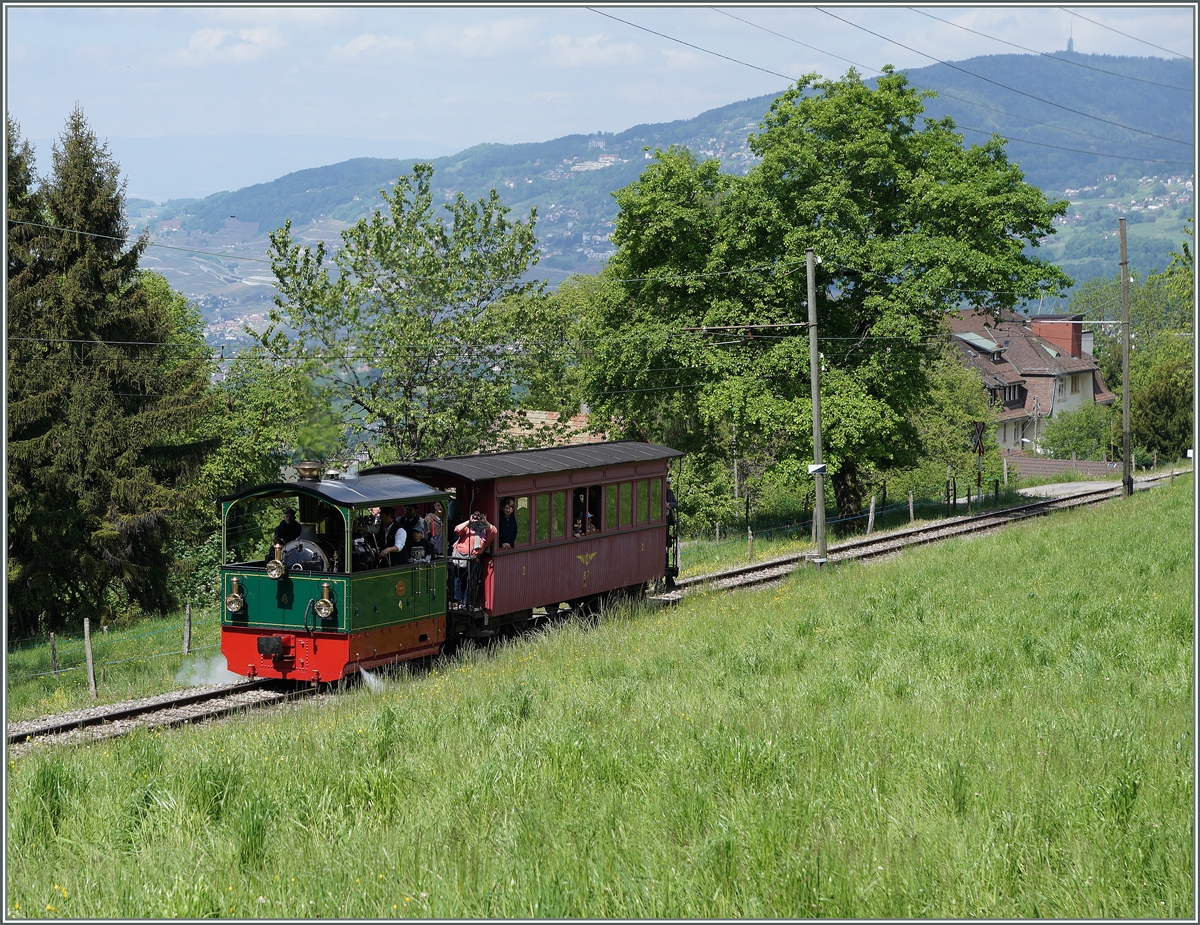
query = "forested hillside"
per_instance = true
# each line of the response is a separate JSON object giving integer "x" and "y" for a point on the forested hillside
{"x": 571, "y": 179}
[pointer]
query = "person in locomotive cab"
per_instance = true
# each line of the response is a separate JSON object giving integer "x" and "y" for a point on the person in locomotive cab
{"x": 420, "y": 548}
{"x": 672, "y": 505}
{"x": 435, "y": 522}
{"x": 395, "y": 537}
{"x": 475, "y": 535}
{"x": 287, "y": 531}
{"x": 508, "y": 523}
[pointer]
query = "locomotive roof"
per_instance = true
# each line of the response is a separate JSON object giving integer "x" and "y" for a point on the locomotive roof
{"x": 365, "y": 491}
{"x": 486, "y": 466}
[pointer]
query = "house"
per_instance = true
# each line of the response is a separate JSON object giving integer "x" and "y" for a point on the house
{"x": 1033, "y": 367}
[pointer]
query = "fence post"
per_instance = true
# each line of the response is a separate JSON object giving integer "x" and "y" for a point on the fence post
{"x": 1155, "y": 466}
{"x": 871, "y": 517}
{"x": 883, "y": 497}
{"x": 968, "y": 497}
{"x": 187, "y": 628}
{"x": 1006, "y": 472}
{"x": 53, "y": 656}
{"x": 718, "y": 531}
{"x": 910, "y": 508}
{"x": 947, "y": 497}
{"x": 749, "y": 543}
{"x": 954, "y": 492}
{"x": 997, "y": 492}
{"x": 87, "y": 647}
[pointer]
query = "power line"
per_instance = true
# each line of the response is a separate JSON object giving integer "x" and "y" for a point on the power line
{"x": 1042, "y": 144}
{"x": 1004, "y": 86}
{"x": 1045, "y": 54}
{"x": 949, "y": 95}
{"x": 690, "y": 45}
{"x": 1126, "y": 34}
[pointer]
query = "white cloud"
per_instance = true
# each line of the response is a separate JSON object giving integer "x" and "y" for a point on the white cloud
{"x": 484, "y": 40}
{"x": 593, "y": 50}
{"x": 368, "y": 45}
{"x": 550, "y": 95}
{"x": 217, "y": 46}
{"x": 685, "y": 60}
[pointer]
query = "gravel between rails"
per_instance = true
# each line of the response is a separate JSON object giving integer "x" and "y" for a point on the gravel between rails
{"x": 167, "y": 716}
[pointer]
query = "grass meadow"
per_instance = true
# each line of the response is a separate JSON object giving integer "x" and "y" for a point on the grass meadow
{"x": 996, "y": 727}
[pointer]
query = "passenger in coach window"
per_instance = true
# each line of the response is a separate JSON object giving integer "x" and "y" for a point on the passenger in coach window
{"x": 508, "y": 523}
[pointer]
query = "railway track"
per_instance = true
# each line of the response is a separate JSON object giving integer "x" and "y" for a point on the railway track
{"x": 199, "y": 704}
{"x": 163, "y": 711}
{"x": 773, "y": 570}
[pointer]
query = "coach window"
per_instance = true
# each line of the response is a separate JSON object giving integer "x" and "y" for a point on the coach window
{"x": 643, "y": 500}
{"x": 522, "y": 521}
{"x": 610, "y": 509}
{"x": 655, "y": 500}
{"x": 558, "y": 516}
{"x": 541, "y": 518}
{"x": 595, "y": 522}
{"x": 626, "y": 503}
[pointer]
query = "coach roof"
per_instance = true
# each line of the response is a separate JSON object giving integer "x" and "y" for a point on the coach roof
{"x": 370, "y": 490}
{"x": 486, "y": 466}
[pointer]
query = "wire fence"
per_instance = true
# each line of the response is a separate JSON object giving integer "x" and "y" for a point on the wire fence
{"x": 940, "y": 498}
{"x": 68, "y": 654}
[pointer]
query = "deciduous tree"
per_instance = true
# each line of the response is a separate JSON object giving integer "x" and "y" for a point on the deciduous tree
{"x": 403, "y": 325}
{"x": 910, "y": 225}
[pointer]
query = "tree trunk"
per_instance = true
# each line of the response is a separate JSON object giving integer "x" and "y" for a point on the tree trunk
{"x": 847, "y": 491}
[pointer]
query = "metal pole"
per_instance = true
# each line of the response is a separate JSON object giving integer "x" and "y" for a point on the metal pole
{"x": 1126, "y": 475}
{"x": 814, "y": 365}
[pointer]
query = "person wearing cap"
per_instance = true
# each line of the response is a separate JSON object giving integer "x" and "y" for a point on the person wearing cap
{"x": 420, "y": 548}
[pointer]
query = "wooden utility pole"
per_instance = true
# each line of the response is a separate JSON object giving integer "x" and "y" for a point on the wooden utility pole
{"x": 87, "y": 646}
{"x": 814, "y": 367}
{"x": 53, "y": 656}
{"x": 1126, "y": 474}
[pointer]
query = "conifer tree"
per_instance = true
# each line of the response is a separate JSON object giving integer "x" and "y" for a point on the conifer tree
{"x": 102, "y": 406}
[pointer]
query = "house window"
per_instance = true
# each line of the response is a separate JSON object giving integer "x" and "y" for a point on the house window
{"x": 1075, "y": 384}
{"x": 1062, "y": 388}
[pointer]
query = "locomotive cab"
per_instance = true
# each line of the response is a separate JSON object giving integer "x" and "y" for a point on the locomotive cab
{"x": 322, "y": 605}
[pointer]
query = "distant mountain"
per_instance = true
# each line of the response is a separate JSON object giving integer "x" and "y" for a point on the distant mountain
{"x": 571, "y": 179}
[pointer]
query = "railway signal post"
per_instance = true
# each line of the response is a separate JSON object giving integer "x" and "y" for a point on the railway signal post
{"x": 817, "y": 469}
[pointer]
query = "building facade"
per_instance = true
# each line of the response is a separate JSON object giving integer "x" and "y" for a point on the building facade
{"x": 1033, "y": 368}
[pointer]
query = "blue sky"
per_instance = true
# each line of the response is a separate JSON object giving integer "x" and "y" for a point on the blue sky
{"x": 193, "y": 100}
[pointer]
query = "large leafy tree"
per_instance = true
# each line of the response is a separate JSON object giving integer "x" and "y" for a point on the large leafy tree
{"x": 910, "y": 226}
{"x": 104, "y": 401}
{"x": 405, "y": 327}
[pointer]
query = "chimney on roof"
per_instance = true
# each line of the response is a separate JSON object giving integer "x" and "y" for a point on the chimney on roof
{"x": 1063, "y": 331}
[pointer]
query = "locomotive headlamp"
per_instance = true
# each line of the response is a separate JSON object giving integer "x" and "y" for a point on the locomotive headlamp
{"x": 324, "y": 607}
{"x": 234, "y": 603}
{"x": 276, "y": 569}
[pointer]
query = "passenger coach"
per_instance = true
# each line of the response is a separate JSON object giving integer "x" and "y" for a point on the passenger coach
{"x": 617, "y": 491}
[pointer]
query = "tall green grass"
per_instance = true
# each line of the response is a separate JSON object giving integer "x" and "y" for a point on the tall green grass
{"x": 995, "y": 727}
